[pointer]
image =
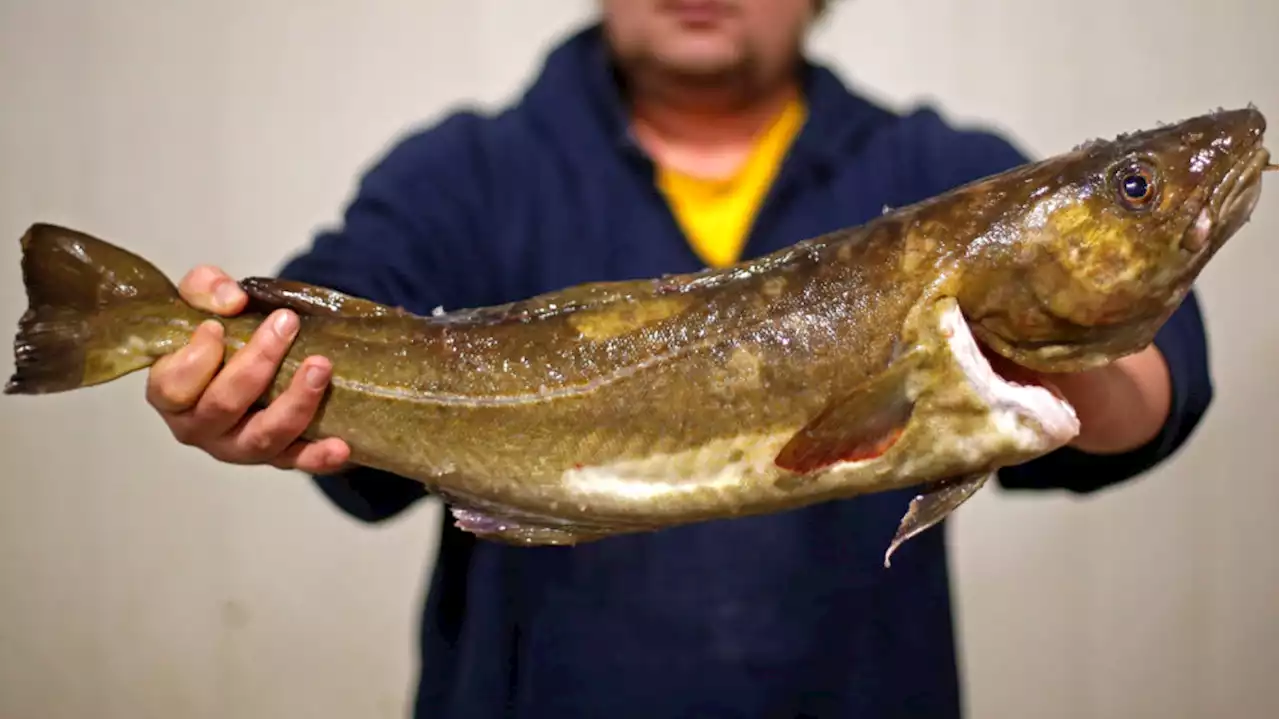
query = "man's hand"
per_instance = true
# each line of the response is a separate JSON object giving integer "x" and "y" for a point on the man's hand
{"x": 1121, "y": 406}
{"x": 209, "y": 409}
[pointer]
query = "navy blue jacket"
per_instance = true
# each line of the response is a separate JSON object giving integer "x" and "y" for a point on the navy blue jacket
{"x": 777, "y": 616}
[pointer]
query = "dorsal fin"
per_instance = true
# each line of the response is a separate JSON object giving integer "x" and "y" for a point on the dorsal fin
{"x": 269, "y": 293}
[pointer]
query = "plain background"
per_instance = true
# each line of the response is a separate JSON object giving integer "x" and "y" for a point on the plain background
{"x": 142, "y": 579}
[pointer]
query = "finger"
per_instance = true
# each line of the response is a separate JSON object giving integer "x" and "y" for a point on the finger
{"x": 212, "y": 290}
{"x": 268, "y": 432}
{"x": 176, "y": 380}
{"x": 324, "y": 456}
{"x": 247, "y": 375}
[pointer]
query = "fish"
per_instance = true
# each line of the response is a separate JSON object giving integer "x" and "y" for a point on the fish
{"x": 910, "y": 351}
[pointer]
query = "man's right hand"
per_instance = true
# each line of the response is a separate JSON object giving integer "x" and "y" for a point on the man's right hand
{"x": 209, "y": 409}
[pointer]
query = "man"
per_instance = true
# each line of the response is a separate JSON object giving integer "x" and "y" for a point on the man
{"x": 672, "y": 136}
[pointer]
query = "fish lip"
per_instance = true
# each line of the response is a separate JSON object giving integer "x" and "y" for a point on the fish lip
{"x": 1229, "y": 204}
{"x": 1233, "y": 200}
{"x": 1244, "y": 188}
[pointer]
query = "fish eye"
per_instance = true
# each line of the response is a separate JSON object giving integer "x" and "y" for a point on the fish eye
{"x": 1136, "y": 184}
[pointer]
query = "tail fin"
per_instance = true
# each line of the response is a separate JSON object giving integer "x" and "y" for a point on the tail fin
{"x": 73, "y": 333}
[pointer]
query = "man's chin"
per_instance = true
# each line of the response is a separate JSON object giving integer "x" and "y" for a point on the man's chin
{"x": 694, "y": 57}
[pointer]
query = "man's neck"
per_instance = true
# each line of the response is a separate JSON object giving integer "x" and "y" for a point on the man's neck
{"x": 693, "y": 132}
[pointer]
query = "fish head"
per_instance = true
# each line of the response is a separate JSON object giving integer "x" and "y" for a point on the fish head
{"x": 1095, "y": 249}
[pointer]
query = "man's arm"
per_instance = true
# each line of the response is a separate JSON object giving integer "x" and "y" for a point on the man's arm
{"x": 408, "y": 239}
{"x": 1184, "y": 368}
{"x": 1134, "y": 413}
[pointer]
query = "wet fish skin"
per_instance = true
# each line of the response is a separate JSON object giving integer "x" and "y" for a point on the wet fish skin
{"x": 840, "y": 366}
{"x": 1074, "y": 276}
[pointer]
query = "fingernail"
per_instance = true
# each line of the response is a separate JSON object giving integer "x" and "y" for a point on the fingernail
{"x": 315, "y": 377}
{"x": 226, "y": 294}
{"x": 284, "y": 325}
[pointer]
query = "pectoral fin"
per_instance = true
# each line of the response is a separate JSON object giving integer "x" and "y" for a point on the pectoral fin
{"x": 864, "y": 424}
{"x": 939, "y": 499}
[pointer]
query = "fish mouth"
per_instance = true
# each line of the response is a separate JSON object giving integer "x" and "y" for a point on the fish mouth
{"x": 1230, "y": 205}
{"x": 1240, "y": 197}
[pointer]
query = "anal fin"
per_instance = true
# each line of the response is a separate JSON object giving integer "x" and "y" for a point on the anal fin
{"x": 864, "y": 424}
{"x": 938, "y": 500}
{"x": 497, "y": 528}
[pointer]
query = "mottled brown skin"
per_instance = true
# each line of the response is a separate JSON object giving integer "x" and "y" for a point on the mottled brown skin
{"x": 1074, "y": 275}
{"x": 1055, "y": 268}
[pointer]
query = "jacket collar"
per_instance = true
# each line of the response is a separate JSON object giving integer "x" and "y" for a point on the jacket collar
{"x": 577, "y": 96}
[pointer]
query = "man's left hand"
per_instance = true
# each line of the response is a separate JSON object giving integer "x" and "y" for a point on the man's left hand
{"x": 1121, "y": 406}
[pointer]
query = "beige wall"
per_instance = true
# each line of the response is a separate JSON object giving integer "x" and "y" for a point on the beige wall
{"x": 141, "y": 579}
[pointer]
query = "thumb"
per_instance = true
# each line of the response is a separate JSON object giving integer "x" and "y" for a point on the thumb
{"x": 212, "y": 290}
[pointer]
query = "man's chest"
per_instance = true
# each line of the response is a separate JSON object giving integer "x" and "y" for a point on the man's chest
{"x": 564, "y": 231}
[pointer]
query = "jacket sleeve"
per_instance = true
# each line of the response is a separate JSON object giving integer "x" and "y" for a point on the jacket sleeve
{"x": 410, "y": 237}
{"x": 968, "y": 155}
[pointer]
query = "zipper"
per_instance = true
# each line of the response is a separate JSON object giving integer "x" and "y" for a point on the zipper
{"x": 782, "y": 187}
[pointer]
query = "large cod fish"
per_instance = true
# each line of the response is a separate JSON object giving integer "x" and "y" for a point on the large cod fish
{"x": 849, "y": 363}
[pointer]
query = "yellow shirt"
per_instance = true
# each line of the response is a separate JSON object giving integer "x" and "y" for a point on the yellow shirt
{"x": 716, "y": 214}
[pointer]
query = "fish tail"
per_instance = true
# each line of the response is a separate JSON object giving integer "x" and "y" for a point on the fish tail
{"x": 94, "y": 313}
